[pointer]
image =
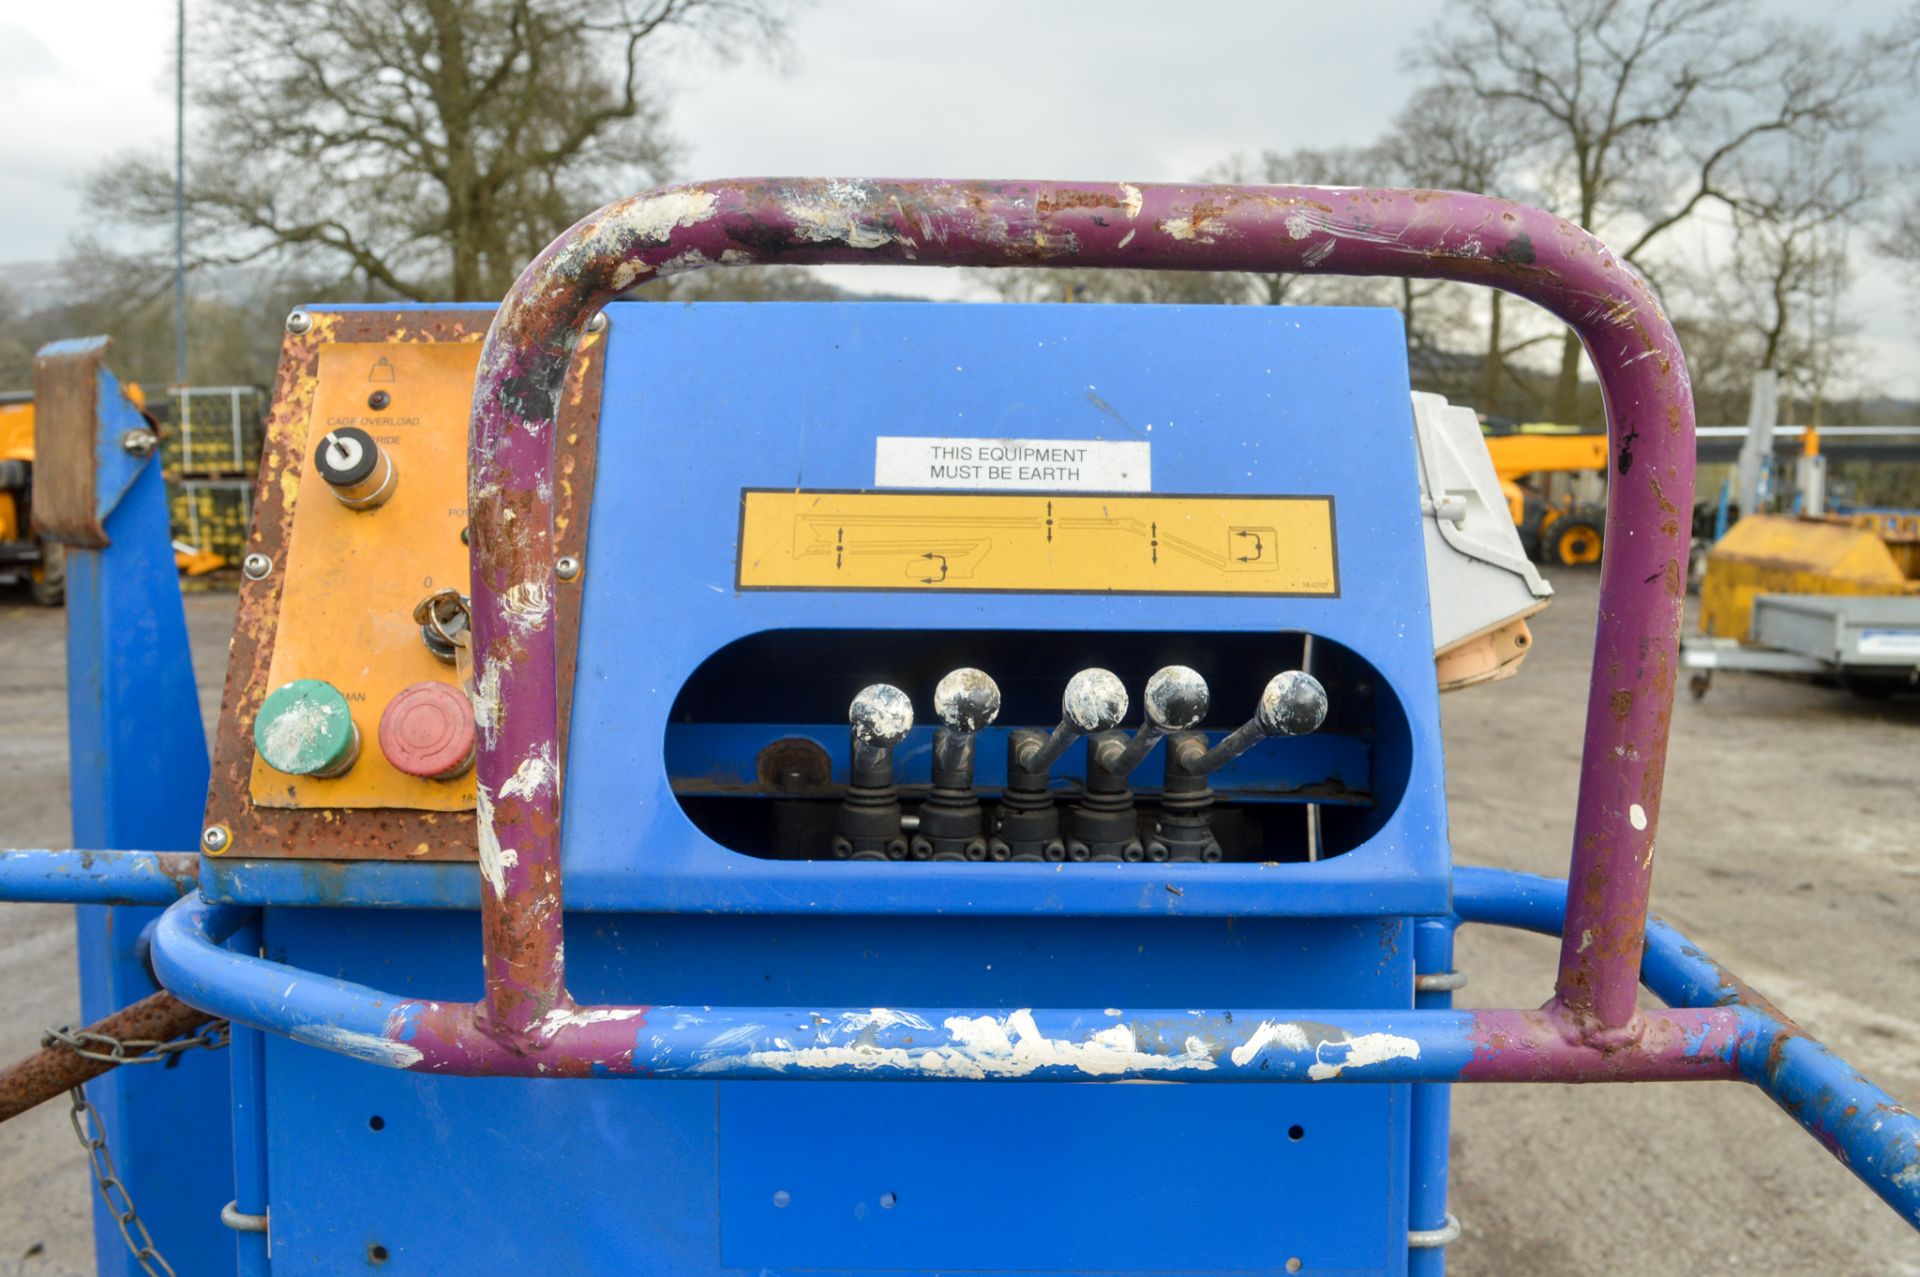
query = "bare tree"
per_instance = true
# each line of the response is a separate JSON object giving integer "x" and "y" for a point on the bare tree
{"x": 426, "y": 147}
{"x": 1449, "y": 137}
{"x": 1646, "y": 106}
{"x": 1791, "y": 240}
{"x": 1770, "y": 293}
{"x": 16, "y": 344}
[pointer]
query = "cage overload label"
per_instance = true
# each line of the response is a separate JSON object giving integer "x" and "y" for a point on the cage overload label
{"x": 1057, "y": 543}
{"x": 1013, "y": 465}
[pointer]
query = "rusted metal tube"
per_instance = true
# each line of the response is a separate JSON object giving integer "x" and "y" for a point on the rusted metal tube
{"x": 56, "y": 1069}
{"x": 1422, "y": 234}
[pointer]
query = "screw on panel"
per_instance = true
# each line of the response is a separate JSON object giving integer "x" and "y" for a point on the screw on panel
{"x": 215, "y": 838}
{"x": 255, "y": 567}
{"x": 598, "y": 323}
{"x": 566, "y": 568}
{"x": 299, "y": 322}
{"x": 140, "y": 443}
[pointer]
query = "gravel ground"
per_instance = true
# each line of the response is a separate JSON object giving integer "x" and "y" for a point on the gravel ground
{"x": 1790, "y": 850}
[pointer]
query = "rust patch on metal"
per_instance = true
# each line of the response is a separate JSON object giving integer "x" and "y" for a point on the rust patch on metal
{"x": 1659, "y": 495}
{"x": 66, "y": 422}
{"x": 792, "y": 765}
{"x": 1055, "y": 201}
{"x": 371, "y": 833}
{"x": 55, "y": 1069}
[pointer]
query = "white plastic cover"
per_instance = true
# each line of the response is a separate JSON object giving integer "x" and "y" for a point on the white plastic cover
{"x": 1478, "y": 575}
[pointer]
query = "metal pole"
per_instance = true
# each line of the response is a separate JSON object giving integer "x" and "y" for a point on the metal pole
{"x": 180, "y": 197}
{"x": 1756, "y": 451}
{"x": 1313, "y": 809}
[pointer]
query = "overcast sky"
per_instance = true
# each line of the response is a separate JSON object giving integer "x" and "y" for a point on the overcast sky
{"x": 1125, "y": 89}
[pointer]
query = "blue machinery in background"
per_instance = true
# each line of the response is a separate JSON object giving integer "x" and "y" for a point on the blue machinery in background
{"x": 712, "y": 862}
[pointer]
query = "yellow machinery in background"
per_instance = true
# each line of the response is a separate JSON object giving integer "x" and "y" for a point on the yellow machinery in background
{"x": 23, "y": 556}
{"x": 1559, "y": 527}
{"x": 1865, "y": 554}
{"x": 1832, "y": 595}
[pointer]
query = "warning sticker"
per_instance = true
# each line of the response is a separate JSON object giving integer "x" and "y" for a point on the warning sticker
{"x": 1055, "y": 543}
{"x": 1890, "y": 642}
{"x": 1013, "y": 465}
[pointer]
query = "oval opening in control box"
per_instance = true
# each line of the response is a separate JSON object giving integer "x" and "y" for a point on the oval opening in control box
{"x": 759, "y": 753}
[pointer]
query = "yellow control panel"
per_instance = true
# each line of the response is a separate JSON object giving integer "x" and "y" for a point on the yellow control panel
{"x": 347, "y": 728}
{"x": 353, "y": 576}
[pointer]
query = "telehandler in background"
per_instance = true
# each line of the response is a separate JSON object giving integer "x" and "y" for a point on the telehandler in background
{"x": 1560, "y": 522}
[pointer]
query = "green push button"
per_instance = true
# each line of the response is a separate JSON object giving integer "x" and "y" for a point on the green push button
{"x": 306, "y": 729}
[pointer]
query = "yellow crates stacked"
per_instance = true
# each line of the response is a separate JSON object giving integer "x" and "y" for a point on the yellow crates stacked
{"x": 211, "y": 452}
{"x": 212, "y": 514}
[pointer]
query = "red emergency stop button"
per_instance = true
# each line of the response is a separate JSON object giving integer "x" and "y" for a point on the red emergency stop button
{"x": 427, "y": 730}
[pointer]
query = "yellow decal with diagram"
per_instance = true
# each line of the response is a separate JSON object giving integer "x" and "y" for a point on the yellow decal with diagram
{"x": 1037, "y": 543}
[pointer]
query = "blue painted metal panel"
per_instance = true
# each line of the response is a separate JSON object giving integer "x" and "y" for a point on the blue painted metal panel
{"x": 1239, "y": 399}
{"x": 1432, "y": 1110}
{"x": 370, "y": 884}
{"x": 666, "y": 1177}
{"x": 1069, "y": 1179}
{"x": 247, "y": 1064}
{"x": 1233, "y": 400}
{"x": 139, "y": 779}
{"x": 678, "y": 1177}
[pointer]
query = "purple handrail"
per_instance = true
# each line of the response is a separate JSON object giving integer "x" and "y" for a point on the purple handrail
{"x": 1421, "y": 234}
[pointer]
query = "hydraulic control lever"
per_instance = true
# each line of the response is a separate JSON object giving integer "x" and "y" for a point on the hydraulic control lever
{"x": 1292, "y": 704}
{"x": 1176, "y": 700}
{"x": 952, "y": 822}
{"x": 867, "y": 826}
{"x": 1104, "y": 824}
{"x": 1029, "y": 825}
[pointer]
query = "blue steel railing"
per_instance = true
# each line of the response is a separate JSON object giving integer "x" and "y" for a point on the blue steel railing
{"x": 1863, "y": 1126}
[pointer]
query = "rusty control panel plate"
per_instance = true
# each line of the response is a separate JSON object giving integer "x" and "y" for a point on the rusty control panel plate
{"x": 1053, "y": 544}
{"x": 353, "y": 577}
{"x": 335, "y": 609}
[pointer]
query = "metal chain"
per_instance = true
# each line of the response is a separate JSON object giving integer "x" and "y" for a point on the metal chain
{"x": 111, "y": 1050}
{"x": 93, "y": 1137}
{"x": 92, "y": 1132}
